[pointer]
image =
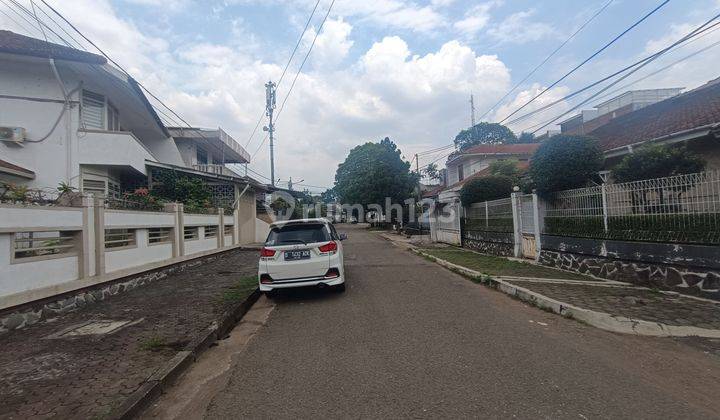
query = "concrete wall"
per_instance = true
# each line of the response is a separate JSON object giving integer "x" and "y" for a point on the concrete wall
{"x": 262, "y": 229}
{"x": 89, "y": 263}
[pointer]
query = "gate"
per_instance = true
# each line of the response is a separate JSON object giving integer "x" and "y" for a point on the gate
{"x": 527, "y": 219}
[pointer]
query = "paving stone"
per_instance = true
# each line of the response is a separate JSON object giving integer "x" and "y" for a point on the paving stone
{"x": 87, "y": 376}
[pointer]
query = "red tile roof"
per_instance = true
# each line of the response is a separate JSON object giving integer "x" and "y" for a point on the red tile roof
{"x": 518, "y": 149}
{"x": 13, "y": 43}
{"x": 693, "y": 109}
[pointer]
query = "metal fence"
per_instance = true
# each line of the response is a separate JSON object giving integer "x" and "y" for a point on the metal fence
{"x": 679, "y": 209}
{"x": 492, "y": 216}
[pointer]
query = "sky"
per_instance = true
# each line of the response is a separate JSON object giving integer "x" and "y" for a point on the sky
{"x": 404, "y": 69}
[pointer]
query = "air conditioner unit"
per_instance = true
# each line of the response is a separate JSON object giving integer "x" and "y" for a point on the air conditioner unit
{"x": 14, "y": 135}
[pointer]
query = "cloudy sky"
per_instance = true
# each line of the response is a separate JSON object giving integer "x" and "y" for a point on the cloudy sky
{"x": 398, "y": 68}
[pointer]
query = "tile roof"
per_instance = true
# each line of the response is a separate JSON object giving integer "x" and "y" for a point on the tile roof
{"x": 519, "y": 148}
{"x": 693, "y": 109}
{"x": 13, "y": 43}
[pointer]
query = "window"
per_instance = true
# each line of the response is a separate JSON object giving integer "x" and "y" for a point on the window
{"x": 190, "y": 233}
{"x": 211, "y": 231}
{"x": 113, "y": 118}
{"x": 40, "y": 244}
{"x": 114, "y": 190}
{"x": 159, "y": 235}
{"x": 118, "y": 238}
{"x": 93, "y": 110}
{"x": 304, "y": 233}
{"x": 202, "y": 158}
{"x": 94, "y": 186}
{"x": 461, "y": 176}
{"x": 228, "y": 230}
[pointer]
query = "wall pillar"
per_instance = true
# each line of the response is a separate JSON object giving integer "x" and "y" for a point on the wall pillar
{"x": 538, "y": 220}
{"x": 98, "y": 237}
{"x": 178, "y": 238}
{"x": 236, "y": 226}
{"x": 221, "y": 228}
{"x": 517, "y": 225}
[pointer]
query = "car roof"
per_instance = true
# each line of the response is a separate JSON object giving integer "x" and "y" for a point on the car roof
{"x": 281, "y": 223}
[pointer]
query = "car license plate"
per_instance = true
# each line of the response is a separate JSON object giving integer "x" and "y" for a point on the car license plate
{"x": 297, "y": 255}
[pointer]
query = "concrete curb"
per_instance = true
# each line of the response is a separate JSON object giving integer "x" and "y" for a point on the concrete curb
{"x": 602, "y": 320}
{"x": 164, "y": 377}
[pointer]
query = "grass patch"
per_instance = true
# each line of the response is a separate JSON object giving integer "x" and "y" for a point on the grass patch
{"x": 240, "y": 290}
{"x": 153, "y": 344}
{"x": 499, "y": 266}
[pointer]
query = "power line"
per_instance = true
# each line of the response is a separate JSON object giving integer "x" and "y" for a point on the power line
{"x": 595, "y": 54}
{"x": 555, "y": 51}
{"x": 604, "y": 79}
{"x": 302, "y": 64}
{"x": 292, "y": 55}
{"x": 683, "y": 39}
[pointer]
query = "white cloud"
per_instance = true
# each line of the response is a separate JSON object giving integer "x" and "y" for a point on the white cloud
{"x": 533, "y": 122}
{"x": 417, "y": 100}
{"x": 393, "y": 13}
{"x": 519, "y": 28}
{"x": 476, "y": 18}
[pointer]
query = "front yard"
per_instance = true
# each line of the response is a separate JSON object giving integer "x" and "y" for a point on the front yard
{"x": 499, "y": 266}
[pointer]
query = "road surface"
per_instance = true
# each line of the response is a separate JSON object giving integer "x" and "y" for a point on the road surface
{"x": 411, "y": 339}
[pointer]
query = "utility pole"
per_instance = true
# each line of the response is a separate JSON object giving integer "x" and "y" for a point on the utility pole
{"x": 290, "y": 185}
{"x": 270, "y": 128}
{"x": 472, "y": 111}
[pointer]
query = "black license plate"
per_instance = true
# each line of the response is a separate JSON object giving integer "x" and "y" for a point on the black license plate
{"x": 297, "y": 255}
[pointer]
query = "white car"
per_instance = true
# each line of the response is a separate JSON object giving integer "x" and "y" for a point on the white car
{"x": 300, "y": 253}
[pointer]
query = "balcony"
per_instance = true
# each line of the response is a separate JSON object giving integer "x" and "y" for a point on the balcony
{"x": 217, "y": 170}
{"x": 216, "y": 140}
{"x": 116, "y": 148}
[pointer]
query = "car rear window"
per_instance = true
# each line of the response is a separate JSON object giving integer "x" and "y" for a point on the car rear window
{"x": 297, "y": 234}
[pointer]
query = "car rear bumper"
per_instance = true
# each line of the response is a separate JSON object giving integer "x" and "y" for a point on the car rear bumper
{"x": 290, "y": 283}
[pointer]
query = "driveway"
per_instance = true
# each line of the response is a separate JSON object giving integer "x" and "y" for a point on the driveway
{"x": 410, "y": 339}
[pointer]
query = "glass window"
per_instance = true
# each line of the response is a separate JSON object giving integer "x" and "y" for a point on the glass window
{"x": 202, "y": 158}
{"x": 93, "y": 110}
{"x": 298, "y": 234}
{"x": 113, "y": 118}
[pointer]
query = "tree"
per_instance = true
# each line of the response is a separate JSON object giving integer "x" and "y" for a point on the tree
{"x": 526, "y": 137}
{"x": 657, "y": 161}
{"x": 485, "y": 189}
{"x": 484, "y": 133}
{"x": 328, "y": 196}
{"x": 506, "y": 168}
{"x": 564, "y": 162}
{"x": 432, "y": 172}
{"x": 373, "y": 171}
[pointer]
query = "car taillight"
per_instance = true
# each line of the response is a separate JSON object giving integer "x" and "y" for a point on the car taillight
{"x": 328, "y": 247}
{"x": 265, "y": 278}
{"x": 332, "y": 273}
{"x": 267, "y": 252}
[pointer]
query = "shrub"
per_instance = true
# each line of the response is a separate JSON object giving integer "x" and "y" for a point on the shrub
{"x": 565, "y": 162}
{"x": 485, "y": 189}
{"x": 657, "y": 161}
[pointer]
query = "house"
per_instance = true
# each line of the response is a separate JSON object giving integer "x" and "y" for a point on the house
{"x": 590, "y": 119}
{"x": 68, "y": 116}
{"x": 691, "y": 118}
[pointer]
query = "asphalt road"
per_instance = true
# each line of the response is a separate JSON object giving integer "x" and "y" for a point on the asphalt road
{"x": 410, "y": 339}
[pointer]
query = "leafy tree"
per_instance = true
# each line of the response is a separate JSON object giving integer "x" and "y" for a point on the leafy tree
{"x": 484, "y": 133}
{"x": 328, "y": 196}
{"x": 485, "y": 189}
{"x": 526, "y": 137}
{"x": 564, "y": 162}
{"x": 432, "y": 172}
{"x": 657, "y": 161}
{"x": 373, "y": 171}
{"x": 506, "y": 168}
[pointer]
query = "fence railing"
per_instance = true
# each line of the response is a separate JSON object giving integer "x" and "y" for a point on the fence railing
{"x": 492, "y": 216}
{"x": 678, "y": 209}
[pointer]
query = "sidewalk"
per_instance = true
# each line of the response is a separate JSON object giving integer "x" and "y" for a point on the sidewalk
{"x": 610, "y": 305}
{"x": 84, "y": 364}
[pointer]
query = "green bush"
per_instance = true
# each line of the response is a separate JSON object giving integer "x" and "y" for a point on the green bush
{"x": 485, "y": 189}
{"x": 494, "y": 224}
{"x": 564, "y": 162}
{"x": 657, "y": 161}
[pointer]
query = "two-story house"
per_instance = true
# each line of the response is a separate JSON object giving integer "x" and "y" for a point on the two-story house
{"x": 68, "y": 116}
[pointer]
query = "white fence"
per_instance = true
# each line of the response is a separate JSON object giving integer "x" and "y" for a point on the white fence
{"x": 46, "y": 250}
{"x": 681, "y": 209}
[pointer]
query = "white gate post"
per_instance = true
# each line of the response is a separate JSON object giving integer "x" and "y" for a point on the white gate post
{"x": 517, "y": 225}
{"x": 605, "y": 206}
{"x": 538, "y": 228}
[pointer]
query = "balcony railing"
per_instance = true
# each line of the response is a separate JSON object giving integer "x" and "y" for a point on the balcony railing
{"x": 216, "y": 169}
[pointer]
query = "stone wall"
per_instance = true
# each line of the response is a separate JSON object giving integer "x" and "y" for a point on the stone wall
{"x": 493, "y": 243}
{"x": 33, "y": 312}
{"x": 690, "y": 269}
